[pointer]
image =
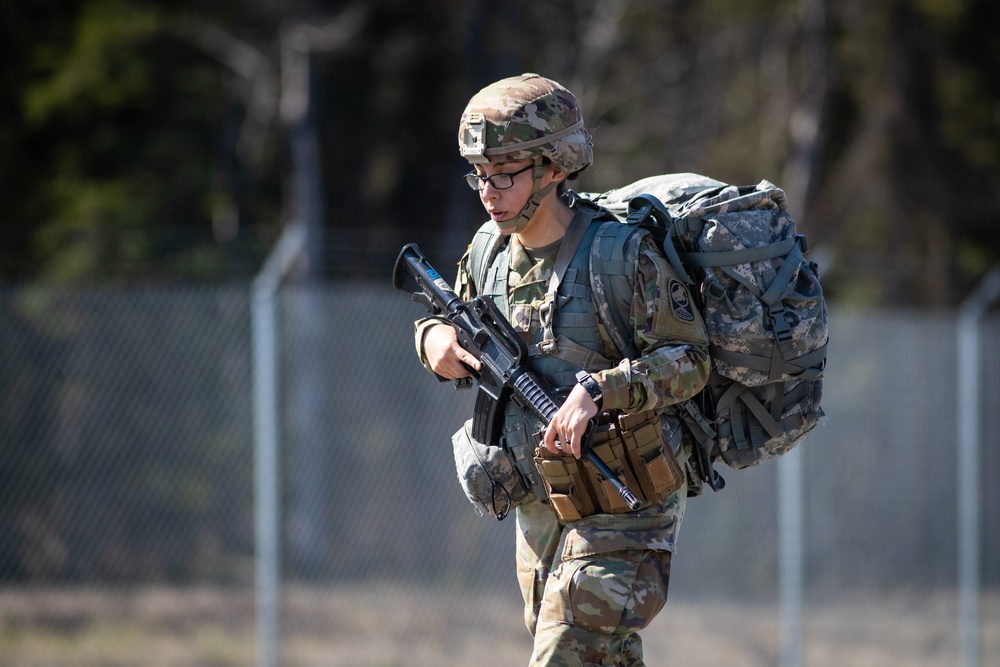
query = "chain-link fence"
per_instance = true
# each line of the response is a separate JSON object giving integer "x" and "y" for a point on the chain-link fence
{"x": 127, "y": 495}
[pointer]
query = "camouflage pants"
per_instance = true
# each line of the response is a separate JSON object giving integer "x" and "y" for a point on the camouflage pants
{"x": 587, "y": 611}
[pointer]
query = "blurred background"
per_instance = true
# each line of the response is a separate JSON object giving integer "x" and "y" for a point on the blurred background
{"x": 154, "y": 155}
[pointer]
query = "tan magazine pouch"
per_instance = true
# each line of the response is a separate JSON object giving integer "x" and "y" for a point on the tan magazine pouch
{"x": 633, "y": 447}
{"x": 566, "y": 484}
{"x": 612, "y": 452}
{"x": 651, "y": 458}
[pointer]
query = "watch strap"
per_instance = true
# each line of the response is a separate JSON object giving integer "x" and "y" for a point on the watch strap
{"x": 587, "y": 381}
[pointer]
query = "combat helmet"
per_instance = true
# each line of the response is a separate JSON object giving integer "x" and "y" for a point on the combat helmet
{"x": 526, "y": 116}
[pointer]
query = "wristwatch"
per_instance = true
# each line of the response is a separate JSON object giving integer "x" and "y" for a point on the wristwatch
{"x": 586, "y": 380}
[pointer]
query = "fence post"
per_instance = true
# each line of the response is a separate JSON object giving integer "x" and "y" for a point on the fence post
{"x": 266, "y": 422}
{"x": 969, "y": 436}
{"x": 790, "y": 556}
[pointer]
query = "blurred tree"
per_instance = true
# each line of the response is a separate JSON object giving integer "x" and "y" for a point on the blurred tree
{"x": 907, "y": 194}
{"x": 136, "y": 147}
{"x": 126, "y": 137}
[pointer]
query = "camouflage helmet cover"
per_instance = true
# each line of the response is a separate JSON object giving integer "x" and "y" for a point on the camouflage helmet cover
{"x": 525, "y": 116}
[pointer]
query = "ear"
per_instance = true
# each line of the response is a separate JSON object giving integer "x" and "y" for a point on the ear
{"x": 554, "y": 174}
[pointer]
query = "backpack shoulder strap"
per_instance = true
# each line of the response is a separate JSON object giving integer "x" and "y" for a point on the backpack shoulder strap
{"x": 649, "y": 211}
{"x": 612, "y": 273}
{"x": 484, "y": 247}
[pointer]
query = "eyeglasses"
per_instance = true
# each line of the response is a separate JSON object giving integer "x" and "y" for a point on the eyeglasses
{"x": 498, "y": 181}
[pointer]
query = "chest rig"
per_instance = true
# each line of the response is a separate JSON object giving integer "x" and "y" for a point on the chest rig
{"x": 555, "y": 313}
{"x": 557, "y": 320}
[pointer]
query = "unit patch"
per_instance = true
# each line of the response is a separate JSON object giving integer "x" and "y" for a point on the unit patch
{"x": 680, "y": 301}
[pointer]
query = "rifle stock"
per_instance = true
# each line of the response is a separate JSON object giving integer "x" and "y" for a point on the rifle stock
{"x": 483, "y": 330}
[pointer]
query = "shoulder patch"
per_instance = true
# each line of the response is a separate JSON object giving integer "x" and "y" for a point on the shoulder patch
{"x": 680, "y": 301}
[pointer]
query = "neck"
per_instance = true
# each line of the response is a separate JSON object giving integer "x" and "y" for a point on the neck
{"x": 548, "y": 225}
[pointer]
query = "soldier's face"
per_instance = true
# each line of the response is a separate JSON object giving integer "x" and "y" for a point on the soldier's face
{"x": 504, "y": 204}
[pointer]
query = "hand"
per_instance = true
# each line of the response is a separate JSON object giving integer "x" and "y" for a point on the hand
{"x": 570, "y": 423}
{"x": 445, "y": 356}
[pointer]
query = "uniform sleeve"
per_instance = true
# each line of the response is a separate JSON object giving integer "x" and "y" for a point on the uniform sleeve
{"x": 465, "y": 288}
{"x": 670, "y": 335}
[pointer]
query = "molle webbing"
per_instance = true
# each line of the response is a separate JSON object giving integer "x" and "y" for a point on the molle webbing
{"x": 577, "y": 340}
{"x": 482, "y": 263}
{"x": 613, "y": 268}
{"x": 574, "y": 319}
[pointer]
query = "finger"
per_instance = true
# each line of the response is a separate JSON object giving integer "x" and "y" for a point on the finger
{"x": 550, "y": 440}
{"x": 467, "y": 357}
{"x": 574, "y": 445}
{"x": 472, "y": 361}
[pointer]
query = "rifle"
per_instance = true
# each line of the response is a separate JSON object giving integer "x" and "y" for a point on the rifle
{"x": 483, "y": 330}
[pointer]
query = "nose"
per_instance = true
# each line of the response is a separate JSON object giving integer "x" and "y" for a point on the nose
{"x": 489, "y": 191}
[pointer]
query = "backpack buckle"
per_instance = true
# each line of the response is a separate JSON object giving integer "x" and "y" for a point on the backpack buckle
{"x": 714, "y": 289}
{"x": 779, "y": 324}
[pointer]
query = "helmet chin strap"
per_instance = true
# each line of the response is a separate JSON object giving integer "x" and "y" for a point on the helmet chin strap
{"x": 518, "y": 224}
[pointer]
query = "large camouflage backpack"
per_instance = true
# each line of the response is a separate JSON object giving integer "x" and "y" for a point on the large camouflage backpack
{"x": 760, "y": 298}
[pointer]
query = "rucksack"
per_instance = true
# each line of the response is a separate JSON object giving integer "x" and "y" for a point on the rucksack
{"x": 761, "y": 301}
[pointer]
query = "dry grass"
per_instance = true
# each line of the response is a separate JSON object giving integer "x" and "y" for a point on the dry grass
{"x": 399, "y": 626}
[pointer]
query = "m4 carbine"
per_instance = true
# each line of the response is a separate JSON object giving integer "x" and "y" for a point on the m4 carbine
{"x": 482, "y": 330}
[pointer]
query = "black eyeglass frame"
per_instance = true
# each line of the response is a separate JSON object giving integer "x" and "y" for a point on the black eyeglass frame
{"x": 477, "y": 182}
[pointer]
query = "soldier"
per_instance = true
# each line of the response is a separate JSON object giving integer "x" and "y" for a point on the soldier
{"x": 592, "y": 572}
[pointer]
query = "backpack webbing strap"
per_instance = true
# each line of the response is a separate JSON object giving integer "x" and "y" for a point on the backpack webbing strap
{"x": 485, "y": 245}
{"x": 782, "y": 283}
{"x": 705, "y": 436}
{"x": 732, "y": 399}
{"x": 574, "y": 353}
{"x": 642, "y": 207}
{"x": 733, "y": 427}
{"x": 742, "y": 256}
{"x": 791, "y": 252}
{"x": 806, "y": 367}
{"x": 793, "y": 259}
{"x": 575, "y": 234}
{"x": 737, "y": 401}
{"x": 608, "y": 265}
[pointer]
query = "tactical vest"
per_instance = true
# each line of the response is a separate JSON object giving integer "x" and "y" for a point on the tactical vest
{"x": 566, "y": 337}
{"x": 565, "y": 333}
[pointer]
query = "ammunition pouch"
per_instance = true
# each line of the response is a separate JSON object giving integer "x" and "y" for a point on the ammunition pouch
{"x": 633, "y": 447}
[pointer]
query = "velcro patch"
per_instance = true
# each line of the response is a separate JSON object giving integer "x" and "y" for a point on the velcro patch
{"x": 680, "y": 301}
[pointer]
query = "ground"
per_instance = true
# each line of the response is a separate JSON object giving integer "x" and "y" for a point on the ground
{"x": 405, "y": 626}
